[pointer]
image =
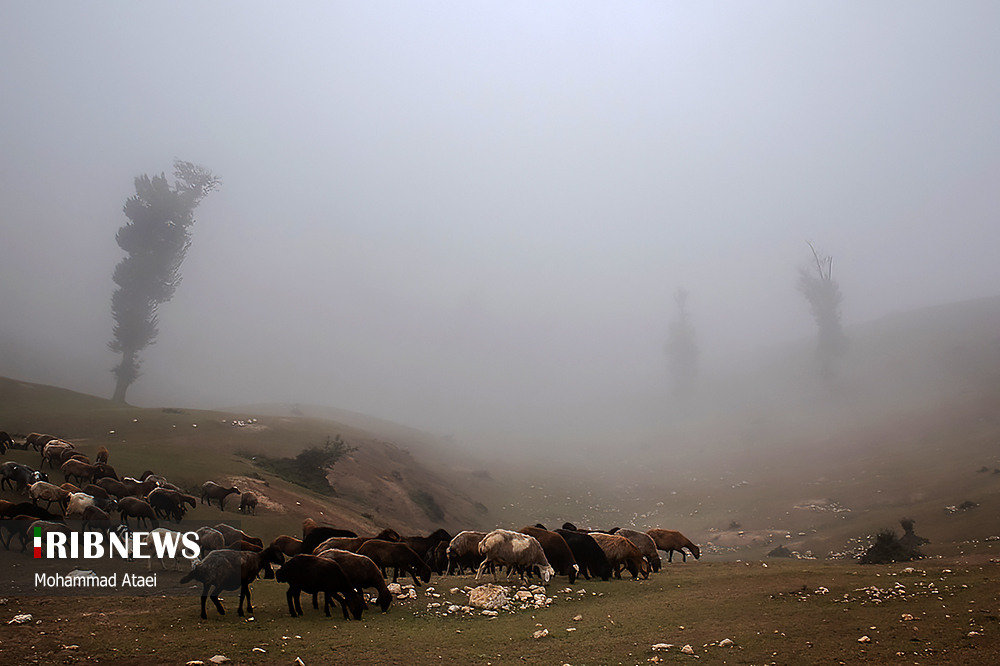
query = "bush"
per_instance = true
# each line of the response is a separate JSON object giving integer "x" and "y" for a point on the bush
{"x": 308, "y": 468}
{"x": 888, "y": 549}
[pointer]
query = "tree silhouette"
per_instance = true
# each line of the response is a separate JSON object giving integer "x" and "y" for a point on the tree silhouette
{"x": 156, "y": 239}
{"x": 823, "y": 293}
{"x": 682, "y": 348}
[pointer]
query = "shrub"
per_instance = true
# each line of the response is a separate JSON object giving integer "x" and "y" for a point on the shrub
{"x": 887, "y": 549}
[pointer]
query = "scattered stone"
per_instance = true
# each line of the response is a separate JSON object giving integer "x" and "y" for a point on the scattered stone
{"x": 491, "y": 613}
{"x": 394, "y": 588}
{"x": 489, "y": 596}
{"x": 577, "y": 618}
{"x": 687, "y": 649}
{"x": 258, "y": 649}
{"x": 906, "y": 617}
{"x": 865, "y": 639}
{"x": 725, "y": 642}
{"x": 70, "y": 647}
{"x": 220, "y": 659}
{"x": 298, "y": 662}
{"x": 541, "y": 633}
{"x": 663, "y": 646}
{"x": 24, "y": 618}
{"x": 973, "y": 633}
{"x": 195, "y": 662}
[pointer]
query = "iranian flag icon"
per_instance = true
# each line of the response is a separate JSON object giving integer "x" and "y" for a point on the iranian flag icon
{"x": 38, "y": 541}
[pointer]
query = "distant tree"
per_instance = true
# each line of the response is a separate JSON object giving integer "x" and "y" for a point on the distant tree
{"x": 156, "y": 239}
{"x": 823, "y": 293}
{"x": 682, "y": 348}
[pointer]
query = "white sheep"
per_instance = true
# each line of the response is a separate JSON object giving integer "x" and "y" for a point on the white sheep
{"x": 515, "y": 551}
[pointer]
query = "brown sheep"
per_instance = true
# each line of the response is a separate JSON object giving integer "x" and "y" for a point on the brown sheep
{"x": 248, "y": 503}
{"x": 20, "y": 527}
{"x": 52, "y": 452}
{"x": 622, "y": 553}
{"x": 102, "y": 455}
{"x": 361, "y": 571}
{"x": 557, "y": 551}
{"x": 213, "y": 491}
{"x": 244, "y": 545}
{"x": 288, "y": 545}
{"x": 420, "y": 544}
{"x": 644, "y": 543}
{"x": 37, "y": 441}
{"x": 343, "y": 543}
{"x": 231, "y": 570}
{"x": 672, "y": 540}
{"x": 78, "y": 469}
{"x": 399, "y": 556}
{"x": 139, "y": 509}
{"x": 43, "y": 490}
{"x": 113, "y": 487}
{"x": 311, "y": 574}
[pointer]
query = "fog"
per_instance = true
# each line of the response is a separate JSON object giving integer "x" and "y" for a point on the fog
{"x": 472, "y": 218}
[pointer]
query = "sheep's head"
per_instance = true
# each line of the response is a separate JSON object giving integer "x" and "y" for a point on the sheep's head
{"x": 547, "y": 572}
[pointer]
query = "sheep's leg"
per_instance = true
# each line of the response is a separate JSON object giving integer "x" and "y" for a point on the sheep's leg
{"x": 413, "y": 575}
{"x": 244, "y": 594}
{"x": 479, "y": 571}
{"x": 217, "y": 602}
{"x": 290, "y": 595}
{"x": 316, "y": 600}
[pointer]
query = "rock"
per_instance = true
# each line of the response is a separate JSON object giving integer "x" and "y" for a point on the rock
{"x": 394, "y": 588}
{"x": 865, "y": 639}
{"x": 541, "y": 633}
{"x": 725, "y": 642}
{"x": 22, "y": 619}
{"x": 687, "y": 649}
{"x": 220, "y": 659}
{"x": 298, "y": 662}
{"x": 577, "y": 618}
{"x": 195, "y": 662}
{"x": 663, "y": 646}
{"x": 489, "y": 596}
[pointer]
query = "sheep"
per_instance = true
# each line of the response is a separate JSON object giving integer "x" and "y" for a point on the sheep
{"x": 245, "y": 545}
{"x": 557, "y": 551}
{"x": 37, "y": 441}
{"x": 589, "y": 555}
{"x": 96, "y": 519}
{"x": 165, "y": 535}
{"x": 53, "y": 451}
{"x": 672, "y": 540}
{"x": 399, "y": 556}
{"x": 248, "y": 503}
{"x": 20, "y": 527}
{"x": 20, "y": 475}
{"x": 213, "y": 491}
{"x": 288, "y": 545}
{"x": 135, "y": 487}
{"x": 102, "y": 455}
{"x": 437, "y": 558}
{"x": 29, "y": 509}
{"x": 6, "y": 441}
{"x": 231, "y": 570}
{"x": 421, "y": 545}
{"x": 70, "y": 488}
{"x": 78, "y": 503}
{"x": 139, "y": 509}
{"x": 209, "y": 539}
{"x": 312, "y": 574}
{"x": 78, "y": 469}
{"x": 361, "y": 571}
{"x": 43, "y": 490}
{"x": 622, "y": 553}
{"x": 644, "y": 543}
{"x": 168, "y": 503}
{"x": 319, "y": 534}
{"x": 232, "y": 535}
{"x": 463, "y": 551}
{"x": 113, "y": 487}
{"x": 91, "y": 489}
{"x": 514, "y": 550}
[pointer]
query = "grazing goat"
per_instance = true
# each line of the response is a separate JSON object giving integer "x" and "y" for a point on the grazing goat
{"x": 20, "y": 475}
{"x": 213, "y": 491}
{"x": 463, "y": 551}
{"x": 514, "y": 550}
{"x": 133, "y": 507}
{"x": 361, "y": 571}
{"x": 622, "y": 553}
{"x": 437, "y": 558}
{"x": 43, "y": 490}
{"x": 399, "y": 556}
{"x": 231, "y": 570}
{"x": 248, "y": 503}
{"x": 557, "y": 551}
{"x": 644, "y": 543}
{"x": 672, "y": 540}
{"x": 312, "y": 574}
{"x": 589, "y": 555}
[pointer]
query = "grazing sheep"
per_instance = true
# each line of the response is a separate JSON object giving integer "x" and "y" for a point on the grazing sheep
{"x": 20, "y": 476}
{"x": 43, "y": 490}
{"x": 589, "y": 555}
{"x": 133, "y": 507}
{"x": 361, "y": 571}
{"x": 231, "y": 570}
{"x": 102, "y": 455}
{"x": 245, "y": 545}
{"x": 463, "y": 551}
{"x": 399, "y": 556}
{"x": 20, "y": 527}
{"x": 135, "y": 487}
{"x": 80, "y": 470}
{"x": 437, "y": 558}
{"x": 672, "y": 540}
{"x": 312, "y": 574}
{"x": 53, "y": 451}
{"x": 288, "y": 545}
{"x": 420, "y": 544}
{"x": 97, "y": 519}
{"x": 248, "y": 503}
{"x": 37, "y": 441}
{"x": 6, "y": 441}
{"x": 168, "y": 503}
{"x": 78, "y": 503}
{"x": 70, "y": 488}
{"x": 622, "y": 553}
{"x": 557, "y": 551}
{"x": 514, "y": 550}
{"x": 644, "y": 543}
{"x": 29, "y": 509}
{"x": 213, "y": 491}
{"x": 164, "y": 535}
{"x": 343, "y": 543}
{"x": 91, "y": 489}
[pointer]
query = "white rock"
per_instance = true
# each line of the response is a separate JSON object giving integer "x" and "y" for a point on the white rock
{"x": 195, "y": 662}
{"x": 725, "y": 642}
{"x": 489, "y": 596}
{"x": 220, "y": 659}
{"x": 687, "y": 649}
{"x": 394, "y": 588}
{"x": 541, "y": 633}
{"x": 663, "y": 646}
{"x": 865, "y": 639}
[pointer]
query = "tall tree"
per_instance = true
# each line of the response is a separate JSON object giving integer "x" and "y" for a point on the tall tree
{"x": 823, "y": 293}
{"x": 156, "y": 239}
{"x": 682, "y": 348}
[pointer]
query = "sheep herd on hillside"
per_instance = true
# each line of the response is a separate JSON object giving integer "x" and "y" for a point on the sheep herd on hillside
{"x": 335, "y": 562}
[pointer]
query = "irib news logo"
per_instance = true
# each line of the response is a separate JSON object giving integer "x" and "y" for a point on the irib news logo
{"x": 134, "y": 545}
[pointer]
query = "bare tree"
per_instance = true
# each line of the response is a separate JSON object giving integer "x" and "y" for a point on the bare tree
{"x": 156, "y": 239}
{"x": 682, "y": 348}
{"x": 823, "y": 293}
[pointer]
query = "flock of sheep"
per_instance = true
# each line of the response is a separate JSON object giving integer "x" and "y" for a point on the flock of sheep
{"x": 335, "y": 562}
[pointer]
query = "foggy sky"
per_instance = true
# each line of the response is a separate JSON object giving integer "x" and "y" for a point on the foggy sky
{"x": 472, "y": 217}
